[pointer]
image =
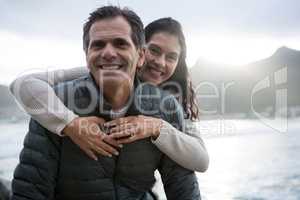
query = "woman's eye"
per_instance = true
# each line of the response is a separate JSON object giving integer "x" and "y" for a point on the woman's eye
{"x": 172, "y": 58}
{"x": 154, "y": 51}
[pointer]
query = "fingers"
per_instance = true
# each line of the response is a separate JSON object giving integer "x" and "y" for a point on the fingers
{"x": 98, "y": 120}
{"x": 128, "y": 135}
{"x": 91, "y": 149}
{"x": 100, "y": 146}
{"x": 121, "y": 134}
{"x": 97, "y": 145}
{"x": 94, "y": 129}
{"x": 112, "y": 123}
{"x": 123, "y": 131}
{"x": 86, "y": 133}
{"x": 128, "y": 139}
{"x": 119, "y": 121}
{"x": 101, "y": 151}
{"x": 91, "y": 154}
{"x": 112, "y": 141}
{"x": 123, "y": 127}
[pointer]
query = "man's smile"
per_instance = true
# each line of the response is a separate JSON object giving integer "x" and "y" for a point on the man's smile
{"x": 110, "y": 66}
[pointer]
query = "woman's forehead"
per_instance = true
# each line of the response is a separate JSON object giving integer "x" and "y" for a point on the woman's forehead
{"x": 165, "y": 41}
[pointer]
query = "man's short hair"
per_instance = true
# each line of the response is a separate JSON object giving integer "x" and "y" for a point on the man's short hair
{"x": 106, "y": 12}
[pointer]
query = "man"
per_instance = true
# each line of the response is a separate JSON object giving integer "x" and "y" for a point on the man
{"x": 4, "y": 189}
{"x": 52, "y": 167}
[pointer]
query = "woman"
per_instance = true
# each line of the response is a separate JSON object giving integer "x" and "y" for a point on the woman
{"x": 165, "y": 66}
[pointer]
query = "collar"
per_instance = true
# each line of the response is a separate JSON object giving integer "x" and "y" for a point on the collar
{"x": 104, "y": 108}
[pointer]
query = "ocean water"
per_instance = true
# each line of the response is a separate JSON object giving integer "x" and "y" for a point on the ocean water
{"x": 248, "y": 160}
{"x": 255, "y": 162}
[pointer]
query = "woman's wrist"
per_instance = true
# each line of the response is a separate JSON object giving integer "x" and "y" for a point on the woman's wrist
{"x": 69, "y": 128}
{"x": 157, "y": 128}
{"x": 64, "y": 123}
{"x": 72, "y": 126}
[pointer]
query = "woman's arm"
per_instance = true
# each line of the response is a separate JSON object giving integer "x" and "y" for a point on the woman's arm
{"x": 186, "y": 148}
{"x": 35, "y": 94}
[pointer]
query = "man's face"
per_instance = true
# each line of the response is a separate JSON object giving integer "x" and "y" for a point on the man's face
{"x": 112, "y": 56}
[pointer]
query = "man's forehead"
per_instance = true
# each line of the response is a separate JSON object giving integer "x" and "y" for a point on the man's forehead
{"x": 111, "y": 28}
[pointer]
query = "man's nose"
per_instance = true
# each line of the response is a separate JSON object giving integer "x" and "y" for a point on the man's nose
{"x": 109, "y": 52}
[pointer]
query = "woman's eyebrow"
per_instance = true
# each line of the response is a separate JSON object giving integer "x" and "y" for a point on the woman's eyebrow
{"x": 153, "y": 45}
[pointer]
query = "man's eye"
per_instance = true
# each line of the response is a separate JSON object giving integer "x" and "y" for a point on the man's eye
{"x": 120, "y": 43}
{"x": 97, "y": 44}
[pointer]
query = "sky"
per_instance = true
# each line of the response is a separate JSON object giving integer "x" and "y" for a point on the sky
{"x": 39, "y": 34}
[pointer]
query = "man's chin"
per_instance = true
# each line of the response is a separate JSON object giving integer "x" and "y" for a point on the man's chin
{"x": 113, "y": 74}
{"x": 113, "y": 79}
{"x": 116, "y": 81}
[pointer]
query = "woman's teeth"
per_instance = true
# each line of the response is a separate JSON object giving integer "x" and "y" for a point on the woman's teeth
{"x": 156, "y": 72}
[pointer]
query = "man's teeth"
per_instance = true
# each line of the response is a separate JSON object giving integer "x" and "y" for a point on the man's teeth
{"x": 110, "y": 67}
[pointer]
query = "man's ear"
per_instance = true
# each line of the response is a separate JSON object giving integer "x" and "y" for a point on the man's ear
{"x": 141, "y": 59}
{"x": 86, "y": 58}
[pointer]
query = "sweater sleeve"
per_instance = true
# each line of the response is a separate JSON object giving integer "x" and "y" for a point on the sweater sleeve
{"x": 34, "y": 92}
{"x": 186, "y": 148}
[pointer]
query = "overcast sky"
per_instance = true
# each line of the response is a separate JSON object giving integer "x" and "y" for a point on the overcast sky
{"x": 36, "y": 34}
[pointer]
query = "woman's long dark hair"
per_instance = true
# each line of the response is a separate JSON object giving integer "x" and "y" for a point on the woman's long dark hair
{"x": 181, "y": 74}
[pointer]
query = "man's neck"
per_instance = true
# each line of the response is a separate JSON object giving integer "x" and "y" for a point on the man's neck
{"x": 117, "y": 95}
{"x": 116, "y": 92}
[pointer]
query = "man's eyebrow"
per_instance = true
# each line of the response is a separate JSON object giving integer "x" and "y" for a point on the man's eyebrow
{"x": 95, "y": 42}
{"x": 121, "y": 39}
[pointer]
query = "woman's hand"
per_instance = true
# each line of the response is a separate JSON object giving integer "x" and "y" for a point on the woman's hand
{"x": 129, "y": 129}
{"x": 86, "y": 133}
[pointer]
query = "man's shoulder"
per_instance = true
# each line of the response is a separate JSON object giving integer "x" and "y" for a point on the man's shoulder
{"x": 152, "y": 98}
{"x": 150, "y": 90}
{"x": 72, "y": 84}
{"x": 41, "y": 140}
{"x": 75, "y": 89}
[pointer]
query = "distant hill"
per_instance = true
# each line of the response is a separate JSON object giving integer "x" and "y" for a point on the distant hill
{"x": 6, "y": 98}
{"x": 9, "y": 109}
{"x": 241, "y": 80}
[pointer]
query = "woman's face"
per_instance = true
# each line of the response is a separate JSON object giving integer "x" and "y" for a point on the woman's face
{"x": 161, "y": 58}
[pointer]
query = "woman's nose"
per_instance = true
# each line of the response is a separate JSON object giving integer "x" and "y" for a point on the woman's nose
{"x": 160, "y": 60}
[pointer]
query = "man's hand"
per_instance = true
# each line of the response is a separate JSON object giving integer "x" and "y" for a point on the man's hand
{"x": 129, "y": 129}
{"x": 86, "y": 133}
